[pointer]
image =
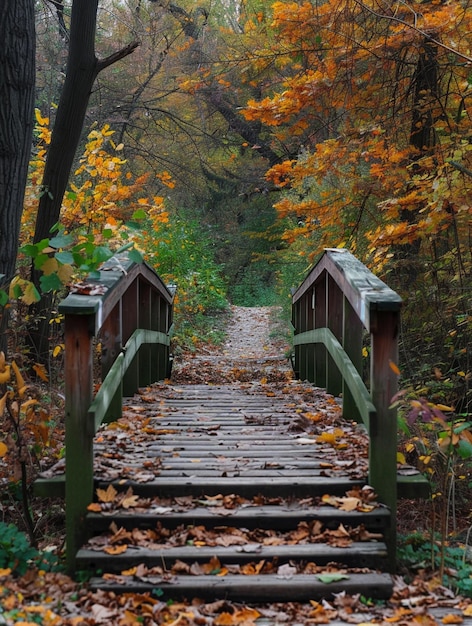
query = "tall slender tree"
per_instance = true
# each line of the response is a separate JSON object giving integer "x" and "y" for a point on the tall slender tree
{"x": 17, "y": 81}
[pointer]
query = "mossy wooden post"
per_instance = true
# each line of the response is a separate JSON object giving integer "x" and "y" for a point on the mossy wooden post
{"x": 144, "y": 312}
{"x": 129, "y": 323}
{"x": 352, "y": 344}
{"x": 164, "y": 326}
{"x": 78, "y": 333}
{"x": 383, "y": 427}
{"x": 296, "y": 328}
{"x": 310, "y": 323}
{"x": 111, "y": 345}
{"x": 321, "y": 354}
{"x": 334, "y": 321}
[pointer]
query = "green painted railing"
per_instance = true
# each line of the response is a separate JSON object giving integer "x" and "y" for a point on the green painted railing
{"x": 128, "y": 312}
{"x": 338, "y": 304}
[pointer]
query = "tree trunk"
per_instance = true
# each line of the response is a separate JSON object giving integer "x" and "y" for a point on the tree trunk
{"x": 17, "y": 82}
{"x": 82, "y": 69}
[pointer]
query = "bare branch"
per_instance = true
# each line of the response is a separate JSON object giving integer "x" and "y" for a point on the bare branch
{"x": 117, "y": 56}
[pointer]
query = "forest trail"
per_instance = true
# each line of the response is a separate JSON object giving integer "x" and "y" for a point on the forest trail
{"x": 256, "y": 346}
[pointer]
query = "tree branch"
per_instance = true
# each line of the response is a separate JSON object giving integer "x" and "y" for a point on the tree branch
{"x": 416, "y": 30}
{"x": 117, "y": 56}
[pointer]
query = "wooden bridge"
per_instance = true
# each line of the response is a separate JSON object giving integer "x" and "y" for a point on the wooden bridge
{"x": 232, "y": 491}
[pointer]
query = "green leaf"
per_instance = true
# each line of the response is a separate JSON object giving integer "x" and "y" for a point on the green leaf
{"x": 331, "y": 578}
{"x": 464, "y": 449}
{"x": 29, "y": 249}
{"x": 135, "y": 255}
{"x": 61, "y": 241}
{"x": 50, "y": 283}
{"x": 3, "y": 297}
{"x": 139, "y": 214}
{"x": 40, "y": 260}
{"x": 65, "y": 257}
{"x": 101, "y": 254}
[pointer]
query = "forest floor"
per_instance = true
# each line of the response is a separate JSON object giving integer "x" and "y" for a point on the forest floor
{"x": 256, "y": 347}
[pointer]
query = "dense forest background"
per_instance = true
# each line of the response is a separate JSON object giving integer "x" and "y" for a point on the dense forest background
{"x": 235, "y": 139}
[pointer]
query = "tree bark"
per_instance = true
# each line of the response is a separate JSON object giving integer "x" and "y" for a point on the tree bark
{"x": 83, "y": 66}
{"x": 17, "y": 82}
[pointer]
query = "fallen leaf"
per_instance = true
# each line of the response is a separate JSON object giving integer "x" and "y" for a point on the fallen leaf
{"x": 331, "y": 578}
{"x": 452, "y": 618}
{"x": 115, "y": 549}
{"x": 107, "y": 495}
{"x": 286, "y": 571}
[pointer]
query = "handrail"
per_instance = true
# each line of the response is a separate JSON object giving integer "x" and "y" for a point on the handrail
{"x": 128, "y": 310}
{"x": 337, "y": 303}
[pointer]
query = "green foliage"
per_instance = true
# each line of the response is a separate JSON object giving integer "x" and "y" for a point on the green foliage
{"x": 182, "y": 252}
{"x": 416, "y": 552}
{"x": 16, "y": 552}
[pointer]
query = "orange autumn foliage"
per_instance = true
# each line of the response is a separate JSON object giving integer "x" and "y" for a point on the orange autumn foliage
{"x": 373, "y": 100}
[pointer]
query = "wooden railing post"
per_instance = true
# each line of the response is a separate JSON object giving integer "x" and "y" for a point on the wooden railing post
{"x": 78, "y": 333}
{"x": 334, "y": 311}
{"x": 383, "y": 427}
{"x": 348, "y": 300}
{"x": 352, "y": 344}
{"x": 130, "y": 308}
{"x": 320, "y": 295}
{"x": 111, "y": 346}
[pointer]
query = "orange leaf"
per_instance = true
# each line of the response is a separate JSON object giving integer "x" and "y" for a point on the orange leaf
{"x": 394, "y": 368}
{"x": 95, "y": 507}
{"x": 115, "y": 549}
{"x": 452, "y": 618}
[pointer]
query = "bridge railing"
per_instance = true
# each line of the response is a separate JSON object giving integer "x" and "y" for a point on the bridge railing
{"x": 128, "y": 312}
{"x": 338, "y": 303}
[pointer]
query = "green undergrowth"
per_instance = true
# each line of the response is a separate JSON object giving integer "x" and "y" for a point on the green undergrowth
{"x": 18, "y": 555}
{"x": 417, "y": 552}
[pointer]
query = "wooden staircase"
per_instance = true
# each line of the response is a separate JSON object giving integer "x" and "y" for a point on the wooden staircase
{"x": 235, "y": 491}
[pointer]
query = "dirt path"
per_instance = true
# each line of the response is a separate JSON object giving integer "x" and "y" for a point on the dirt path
{"x": 256, "y": 347}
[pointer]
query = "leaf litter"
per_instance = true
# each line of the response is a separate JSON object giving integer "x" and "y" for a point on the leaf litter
{"x": 53, "y": 598}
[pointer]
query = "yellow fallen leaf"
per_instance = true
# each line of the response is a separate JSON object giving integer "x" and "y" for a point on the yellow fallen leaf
{"x": 5, "y": 374}
{"x": 3, "y": 449}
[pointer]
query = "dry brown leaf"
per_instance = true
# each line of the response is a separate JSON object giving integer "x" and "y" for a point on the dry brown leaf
{"x": 107, "y": 495}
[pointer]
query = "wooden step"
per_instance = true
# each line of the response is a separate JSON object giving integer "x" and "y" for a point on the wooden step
{"x": 262, "y": 588}
{"x": 278, "y": 517}
{"x": 271, "y": 487}
{"x": 357, "y": 554}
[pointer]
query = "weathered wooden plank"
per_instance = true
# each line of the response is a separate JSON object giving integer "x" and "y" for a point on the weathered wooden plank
{"x": 262, "y": 588}
{"x": 79, "y": 432}
{"x": 275, "y": 517}
{"x": 365, "y": 291}
{"x": 359, "y": 554}
{"x": 246, "y": 487}
{"x": 351, "y": 376}
{"x": 105, "y": 396}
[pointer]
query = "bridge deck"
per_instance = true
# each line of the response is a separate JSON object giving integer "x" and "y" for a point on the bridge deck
{"x": 212, "y": 482}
